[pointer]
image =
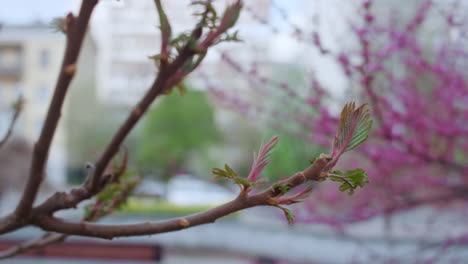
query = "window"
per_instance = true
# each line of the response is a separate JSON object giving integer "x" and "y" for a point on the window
{"x": 44, "y": 58}
{"x": 42, "y": 93}
{"x": 10, "y": 57}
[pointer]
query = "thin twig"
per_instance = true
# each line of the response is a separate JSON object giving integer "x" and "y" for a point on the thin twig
{"x": 46, "y": 239}
{"x": 18, "y": 106}
{"x": 50, "y": 238}
{"x": 269, "y": 197}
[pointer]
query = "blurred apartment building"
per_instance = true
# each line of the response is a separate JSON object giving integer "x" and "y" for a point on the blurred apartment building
{"x": 126, "y": 33}
{"x": 30, "y": 58}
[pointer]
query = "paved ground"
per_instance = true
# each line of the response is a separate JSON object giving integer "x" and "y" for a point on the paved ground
{"x": 169, "y": 260}
{"x": 233, "y": 242}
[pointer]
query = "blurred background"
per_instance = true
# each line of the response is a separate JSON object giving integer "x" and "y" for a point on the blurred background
{"x": 298, "y": 63}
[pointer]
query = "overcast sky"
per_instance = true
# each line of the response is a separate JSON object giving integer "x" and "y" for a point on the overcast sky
{"x": 30, "y": 11}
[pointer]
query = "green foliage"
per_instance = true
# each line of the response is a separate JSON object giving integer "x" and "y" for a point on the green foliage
{"x": 209, "y": 18}
{"x": 175, "y": 129}
{"x": 208, "y": 22}
{"x": 354, "y": 128}
{"x": 113, "y": 196}
{"x": 290, "y": 154}
{"x": 350, "y": 180}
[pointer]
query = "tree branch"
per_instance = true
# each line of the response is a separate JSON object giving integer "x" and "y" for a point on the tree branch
{"x": 268, "y": 197}
{"x": 46, "y": 239}
{"x": 75, "y": 31}
{"x": 11, "y": 222}
{"x": 98, "y": 211}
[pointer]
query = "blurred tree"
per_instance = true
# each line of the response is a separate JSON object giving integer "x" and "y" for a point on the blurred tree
{"x": 89, "y": 122}
{"x": 410, "y": 67}
{"x": 176, "y": 128}
{"x": 290, "y": 153}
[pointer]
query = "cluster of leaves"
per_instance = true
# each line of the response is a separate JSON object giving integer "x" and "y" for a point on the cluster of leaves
{"x": 209, "y": 21}
{"x": 112, "y": 197}
{"x": 353, "y": 130}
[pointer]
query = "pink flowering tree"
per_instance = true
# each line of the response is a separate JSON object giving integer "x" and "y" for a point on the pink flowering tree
{"x": 413, "y": 75}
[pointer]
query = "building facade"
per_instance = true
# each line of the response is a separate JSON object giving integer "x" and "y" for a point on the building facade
{"x": 30, "y": 58}
{"x": 126, "y": 34}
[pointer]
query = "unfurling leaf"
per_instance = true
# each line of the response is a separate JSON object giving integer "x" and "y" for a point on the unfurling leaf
{"x": 229, "y": 170}
{"x": 353, "y": 130}
{"x": 166, "y": 30}
{"x": 230, "y": 16}
{"x": 230, "y": 174}
{"x": 350, "y": 180}
{"x": 262, "y": 159}
{"x": 288, "y": 214}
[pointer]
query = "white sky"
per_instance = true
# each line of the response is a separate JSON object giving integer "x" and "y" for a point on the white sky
{"x": 29, "y": 11}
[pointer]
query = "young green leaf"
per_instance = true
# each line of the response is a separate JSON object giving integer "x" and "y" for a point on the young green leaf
{"x": 229, "y": 170}
{"x": 353, "y": 130}
{"x": 166, "y": 30}
{"x": 350, "y": 180}
{"x": 226, "y": 173}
